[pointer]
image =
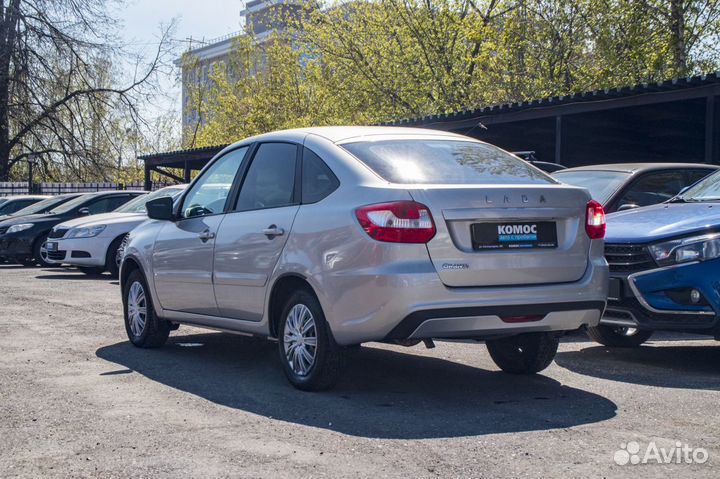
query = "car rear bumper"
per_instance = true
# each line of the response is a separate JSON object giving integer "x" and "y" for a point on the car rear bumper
{"x": 496, "y": 320}
{"x": 79, "y": 252}
{"x": 418, "y": 305}
{"x": 649, "y": 299}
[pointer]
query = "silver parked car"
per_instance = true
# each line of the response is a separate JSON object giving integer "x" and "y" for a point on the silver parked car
{"x": 325, "y": 238}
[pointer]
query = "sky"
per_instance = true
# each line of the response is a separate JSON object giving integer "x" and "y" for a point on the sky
{"x": 196, "y": 19}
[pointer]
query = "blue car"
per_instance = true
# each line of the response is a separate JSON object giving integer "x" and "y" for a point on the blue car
{"x": 664, "y": 267}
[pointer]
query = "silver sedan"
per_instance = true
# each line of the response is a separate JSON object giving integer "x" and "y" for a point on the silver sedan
{"x": 325, "y": 238}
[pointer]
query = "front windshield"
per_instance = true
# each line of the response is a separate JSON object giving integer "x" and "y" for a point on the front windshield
{"x": 707, "y": 189}
{"x": 70, "y": 205}
{"x": 138, "y": 204}
{"x": 600, "y": 184}
{"x": 41, "y": 206}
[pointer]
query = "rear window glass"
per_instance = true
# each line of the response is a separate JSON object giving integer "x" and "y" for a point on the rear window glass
{"x": 413, "y": 161}
{"x": 601, "y": 184}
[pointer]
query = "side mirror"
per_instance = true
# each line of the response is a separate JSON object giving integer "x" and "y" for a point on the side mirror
{"x": 628, "y": 206}
{"x": 160, "y": 209}
{"x": 84, "y": 212}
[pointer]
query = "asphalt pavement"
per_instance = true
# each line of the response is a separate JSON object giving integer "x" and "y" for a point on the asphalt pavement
{"x": 77, "y": 400}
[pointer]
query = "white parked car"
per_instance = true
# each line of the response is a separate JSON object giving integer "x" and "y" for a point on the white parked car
{"x": 91, "y": 243}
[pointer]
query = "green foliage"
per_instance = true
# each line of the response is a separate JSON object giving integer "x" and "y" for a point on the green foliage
{"x": 370, "y": 61}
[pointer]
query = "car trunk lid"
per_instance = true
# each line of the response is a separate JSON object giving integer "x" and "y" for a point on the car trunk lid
{"x": 500, "y": 235}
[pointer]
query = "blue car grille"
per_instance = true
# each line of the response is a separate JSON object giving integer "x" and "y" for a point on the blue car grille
{"x": 624, "y": 258}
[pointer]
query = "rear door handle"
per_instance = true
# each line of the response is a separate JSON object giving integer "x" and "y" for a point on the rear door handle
{"x": 272, "y": 231}
{"x": 206, "y": 235}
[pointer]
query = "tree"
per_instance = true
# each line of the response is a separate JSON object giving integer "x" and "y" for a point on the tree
{"x": 382, "y": 60}
{"x": 60, "y": 96}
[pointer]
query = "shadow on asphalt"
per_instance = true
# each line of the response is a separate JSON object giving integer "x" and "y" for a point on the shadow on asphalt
{"x": 15, "y": 266}
{"x": 383, "y": 394}
{"x": 660, "y": 364}
{"x": 64, "y": 273}
{"x": 71, "y": 276}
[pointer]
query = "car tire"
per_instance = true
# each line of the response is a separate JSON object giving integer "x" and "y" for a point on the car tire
{"x": 527, "y": 353}
{"x": 143, "y": 331}
{"x": 38, "y": 253}
{"x": 111, "y": 262}
{"x": 310, "y": 358}
{"x": 618, "y": 336}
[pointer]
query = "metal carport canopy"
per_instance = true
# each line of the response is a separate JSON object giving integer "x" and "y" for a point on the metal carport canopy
{"x": 186, "y": 160}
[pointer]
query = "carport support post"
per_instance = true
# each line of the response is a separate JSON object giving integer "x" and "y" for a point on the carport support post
{"x": 559, "y": 140}
{"x": 187, "y": 172}
{"x": 710, "y": 133}
{"x": 31, "y": 190}
{"x": 148, "y": 177}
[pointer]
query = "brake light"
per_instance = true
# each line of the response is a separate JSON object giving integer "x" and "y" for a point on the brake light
{"x": 397, "y": 222}
{"x": 595, "y": 220}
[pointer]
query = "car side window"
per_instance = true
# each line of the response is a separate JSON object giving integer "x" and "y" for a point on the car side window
{"x": 117, "y": 201}
{"x": 318, "y": 181}
{"x": 25, "y": 204}
{"x": 696, "y": 175}
{"x": 270, "y": 180}
{"x": 209, "y": 193}
{"x": 15, "y": 206}
{"x": 101, "y": 205}
{"x": 653, "y": 188}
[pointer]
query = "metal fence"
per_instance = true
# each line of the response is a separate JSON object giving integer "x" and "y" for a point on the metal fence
{"x": 13, "y": 188}
{"x": 21, "y": 188}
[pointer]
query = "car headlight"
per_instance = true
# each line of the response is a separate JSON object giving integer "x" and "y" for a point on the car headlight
{"x": 695, "y": 248}
{"x": 19, "y": 228}
{"x": 85, "y": 232}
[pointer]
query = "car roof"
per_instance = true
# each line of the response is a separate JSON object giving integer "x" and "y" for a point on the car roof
{"x": 65, "y": 195}
{"x": 338, "y": 134}
{"x": 25, "y": 197}
{"x": 180, "y": 186}
{"x": 634, "y": 168}
{"x": 113, "y": 193}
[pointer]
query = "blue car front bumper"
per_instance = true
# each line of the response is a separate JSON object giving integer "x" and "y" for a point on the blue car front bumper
{"x": 661, "y": 298}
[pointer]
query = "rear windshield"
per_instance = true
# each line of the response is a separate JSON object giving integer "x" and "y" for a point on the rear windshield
{"x": 600, "y": 184}
{"x": 445, "y": 162}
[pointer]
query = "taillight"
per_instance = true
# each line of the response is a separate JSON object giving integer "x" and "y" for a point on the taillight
{"x": 397, "y": 222}
{"x": 595, "y": 220}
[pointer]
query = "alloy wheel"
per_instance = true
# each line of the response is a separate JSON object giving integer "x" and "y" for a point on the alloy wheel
{"x": 300, "y": 339}
{"x": 137, "y": 308}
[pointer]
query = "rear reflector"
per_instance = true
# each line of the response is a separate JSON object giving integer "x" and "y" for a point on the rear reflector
{"x": 521, "y": 319}
{"x": 397, "y": 222}
{"x": 595, "y": 220}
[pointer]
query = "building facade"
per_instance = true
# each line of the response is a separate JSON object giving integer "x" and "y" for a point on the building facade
{"x": 259, "y": 17}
